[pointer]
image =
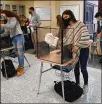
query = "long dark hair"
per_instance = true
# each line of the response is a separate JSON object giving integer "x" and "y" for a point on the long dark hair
{"x": 11, "y": 14}
{"x": 71, "y": 14}
{"x": 60, "y": 21}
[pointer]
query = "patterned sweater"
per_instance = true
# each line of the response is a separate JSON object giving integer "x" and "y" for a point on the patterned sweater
{"x": 77, "y": 35}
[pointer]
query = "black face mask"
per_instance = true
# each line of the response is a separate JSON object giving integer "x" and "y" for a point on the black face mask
{"x": 66, "y": 22}
{"x": 30, "y": 12}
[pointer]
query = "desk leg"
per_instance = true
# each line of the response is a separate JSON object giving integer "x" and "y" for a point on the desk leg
{"x": 5, "y": 65}
{"x": 26, "y": 60}
{"x": 93, "y": 59}
{"x": 41, "y": 68}
{"x": 62, "y": 83}
{"x": 51, "y": 65}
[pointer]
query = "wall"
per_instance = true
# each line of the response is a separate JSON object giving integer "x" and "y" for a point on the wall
{"x": 43, "y": 4}
{"x": 26, "y": 3}
{"x": 54, "y": 8}
{"x": 69, "y": 2}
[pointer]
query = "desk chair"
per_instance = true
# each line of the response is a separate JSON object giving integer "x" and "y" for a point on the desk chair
{"x": 13, "y": 55}
{"x": 94, "y": 47}
{"x": 3, "y": 54}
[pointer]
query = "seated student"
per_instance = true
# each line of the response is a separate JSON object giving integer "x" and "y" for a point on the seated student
{"x": 98, "y": 16}
{"x": 80, "y": 40}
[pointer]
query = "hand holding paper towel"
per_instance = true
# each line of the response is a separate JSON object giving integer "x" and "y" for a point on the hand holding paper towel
{"x": 51, "y": 39}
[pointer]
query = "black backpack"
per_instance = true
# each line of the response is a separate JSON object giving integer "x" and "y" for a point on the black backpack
{"x": 71, "y": 90}
{"x": 5, "y": 42}
{"x": 10, "y": 69}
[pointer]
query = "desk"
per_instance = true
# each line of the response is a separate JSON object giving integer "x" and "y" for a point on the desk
{"x": 53, "y": 58}
{"x": 3, "y": 55}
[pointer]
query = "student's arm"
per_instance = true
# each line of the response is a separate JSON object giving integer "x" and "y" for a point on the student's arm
{"x": 11, "y": 25}
{"x": 100, "y": 34}
{"x": 38, "y": 21}
{"x": 81, "y": 39}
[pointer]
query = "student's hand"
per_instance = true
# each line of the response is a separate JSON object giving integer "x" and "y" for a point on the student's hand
{"x": 1, "y": 25}
{"x": 99, "y": 36}
{"x": 27, "y": 24}
{"x": 90, "y": 43}
{"x": 31, "y": 25}
{"x": 75, "y": 49}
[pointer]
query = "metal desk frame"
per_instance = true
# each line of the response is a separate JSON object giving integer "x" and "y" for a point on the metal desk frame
{"x": 3, "y": 56}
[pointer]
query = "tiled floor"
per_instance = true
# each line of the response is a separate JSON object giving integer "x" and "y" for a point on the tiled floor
{"x": 24, "y": 89}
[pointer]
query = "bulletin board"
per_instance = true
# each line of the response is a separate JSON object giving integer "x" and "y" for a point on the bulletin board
{"x": 74, "y": 8}
{"x": 1, "y": 5}
{"x": 44, "y": 13}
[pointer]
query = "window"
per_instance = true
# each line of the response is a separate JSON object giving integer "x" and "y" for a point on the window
{"x": 89, "y": 14}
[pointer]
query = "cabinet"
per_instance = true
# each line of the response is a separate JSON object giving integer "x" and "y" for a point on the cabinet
{"x": 14, "y": 8}
{"x": 18, "y": 9}
{"x": 7, "y": 7}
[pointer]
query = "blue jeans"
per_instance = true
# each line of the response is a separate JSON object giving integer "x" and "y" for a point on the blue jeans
{"x": 83, "y": 59}
{"x": 18, "y": 42}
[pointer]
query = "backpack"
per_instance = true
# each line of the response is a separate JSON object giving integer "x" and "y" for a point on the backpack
{"x": 71, "y": 90}
{"x": 10, "y": 69}
{"x": 5, "y": 42}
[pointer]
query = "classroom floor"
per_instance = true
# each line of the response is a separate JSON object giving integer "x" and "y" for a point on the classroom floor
{"x": 24, "y": 89}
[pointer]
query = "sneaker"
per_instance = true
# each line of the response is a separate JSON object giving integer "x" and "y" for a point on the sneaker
{"x": 85, "y": 89}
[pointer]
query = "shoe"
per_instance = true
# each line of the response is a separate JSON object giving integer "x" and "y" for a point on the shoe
{"x": 20, "y": 71}
{"x": 85, "y": 89}
{"x": 18, "y": 68}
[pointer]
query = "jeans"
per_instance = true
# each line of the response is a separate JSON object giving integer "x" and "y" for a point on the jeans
{"x": 83, "y": 59}
{"x": 18, "y": 42}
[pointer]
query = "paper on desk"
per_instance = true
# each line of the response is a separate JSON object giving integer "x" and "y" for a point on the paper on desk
{"x": 51, "y": 39}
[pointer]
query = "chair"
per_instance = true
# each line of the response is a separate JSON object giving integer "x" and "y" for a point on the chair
{"x": 94, "y": 47}
{"x": 11, "y": 55}
{"x": 3, "y": 54}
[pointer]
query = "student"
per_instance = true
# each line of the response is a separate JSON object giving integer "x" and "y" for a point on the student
{"x": 35, "y": 21}
{"x": 98, "y": 16}
{"x": 14, "y": 29}
{"x": 80, "y": 40}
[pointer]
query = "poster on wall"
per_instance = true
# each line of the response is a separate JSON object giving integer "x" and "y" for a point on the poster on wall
{"x": 74, "y": 8}
{"x": 44, "y": 13}
{"x": 1, "y": 6}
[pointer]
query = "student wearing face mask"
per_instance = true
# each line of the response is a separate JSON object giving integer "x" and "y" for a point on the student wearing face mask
{"x": 80, "y": 40}
{"x": 34, "y": 22}
{"x": 14, "y": 29}
{"x": 98, "y": 16}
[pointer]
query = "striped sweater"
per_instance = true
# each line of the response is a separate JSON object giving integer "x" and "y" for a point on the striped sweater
{"x": 77, "y": 35}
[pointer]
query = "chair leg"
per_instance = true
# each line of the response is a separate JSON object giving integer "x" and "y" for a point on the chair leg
{"x": 51, "y": 65}
{"x": 3, "y": 54}
{"x": 93, "y": 59}
{"x": 97, "y": 51}
{"x": 26, "y": 60}
{"x": 41, "y": 68}
{"x": 62, "y": 80}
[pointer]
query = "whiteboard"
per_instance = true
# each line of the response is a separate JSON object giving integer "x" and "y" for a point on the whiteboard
{"x": 44, "y": 12}
{"x": 74, "y": 8}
